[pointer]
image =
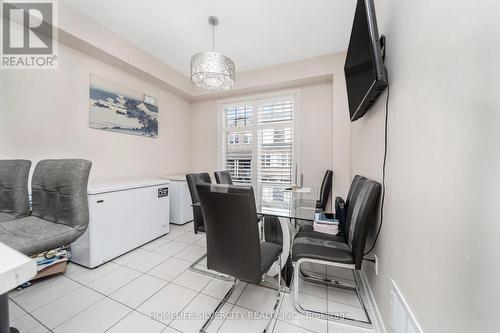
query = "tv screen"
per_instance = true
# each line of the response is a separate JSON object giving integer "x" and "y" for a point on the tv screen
{"x": 364, "y": 69}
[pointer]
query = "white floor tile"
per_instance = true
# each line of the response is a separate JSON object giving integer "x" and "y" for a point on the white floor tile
{"x": 192, "y": 280}
{"x": 258, "y": 298}
{"x": 130, "y": 256}
{"x": 167, "y": 302}
{"x": 85, "y": 275}
{"x": 203, "y": 262}
{"x": 192, "y": 253}
{"x": 190, "y": 237}
{"x": 136, "y": 322}
{"x": 344, "y": 296}
{"x": 170, "y": 330}
{"x": 343, "y": 310}
{"x": 201, "y": 242}
{"x": 242, "y": 320}
{"x": 219, "y": 288}
{"x": 138, "y": 291}
{"x": 45, "y": 291}
{"x": 283, "y": 327}
{"x": 155, "y": 243}
{"x": 26, "y": 324}
{"x": 206, "y": 270}
{"x": 290, "y": 315}
{"x": 339, "y": 272}
{"x": 313, "y": 267}
{"x": 67, "y": 306}
{"x": 186, "y": 227}
{"x": 336, "y": 327}
{"x": 147, "y": 262}
{"x": 98, "y": 318}
{"x": 171, "y": 248}
{"x": 220, "y": 317}
{"x": 113, "y": 280}
{"x": 15, "y": 311}
{"x": 175, "y": 233}
{"x": 314, "y": 289}
{"x": 192, "y": 318}
{"x": 169, "y": 269}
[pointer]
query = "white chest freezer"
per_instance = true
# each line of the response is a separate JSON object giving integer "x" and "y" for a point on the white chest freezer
{"x": 122, "y": 216}
{"x": 181, "y": 211}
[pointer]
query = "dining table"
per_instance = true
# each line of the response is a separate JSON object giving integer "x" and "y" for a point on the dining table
{"x": 290, "y": 207}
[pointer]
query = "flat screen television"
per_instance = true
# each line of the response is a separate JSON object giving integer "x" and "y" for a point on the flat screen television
{"x": 365, "y": 73}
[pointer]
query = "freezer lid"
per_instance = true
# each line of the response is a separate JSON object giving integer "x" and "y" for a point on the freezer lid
{"x": 177, "y": 177}
{"x": 123, "y": 185}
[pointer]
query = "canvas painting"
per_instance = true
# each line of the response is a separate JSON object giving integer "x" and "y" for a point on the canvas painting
{"x": 119, "y": 109}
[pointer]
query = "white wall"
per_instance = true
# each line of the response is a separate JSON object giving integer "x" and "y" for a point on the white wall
{"x": 315, "y": 130}
{"x": 440, "y": 237}
{"x": 44, "y": 114}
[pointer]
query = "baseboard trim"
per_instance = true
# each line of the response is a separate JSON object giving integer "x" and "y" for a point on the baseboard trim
{"x": 380, "y": 327}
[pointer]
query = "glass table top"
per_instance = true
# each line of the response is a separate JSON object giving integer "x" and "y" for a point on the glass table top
{"x": 287, "y": 203}
{"x": 284, "y": 202}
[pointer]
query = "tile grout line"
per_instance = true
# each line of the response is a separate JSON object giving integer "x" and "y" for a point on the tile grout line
{"x": 29, "y": 314}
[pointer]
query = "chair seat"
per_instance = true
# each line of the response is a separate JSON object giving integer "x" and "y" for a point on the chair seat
{"x": 269, "y": 252}
{"x": 31, "y": 235}
{"x": 321, "y": 249}
{"x": 4, "y": 217}
{"x": 308, "y": 231}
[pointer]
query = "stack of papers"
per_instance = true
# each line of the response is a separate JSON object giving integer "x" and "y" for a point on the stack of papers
{"x": 50, "y": 258}
{"x": 321, "y": 218}
{"x": 326, "y": 224}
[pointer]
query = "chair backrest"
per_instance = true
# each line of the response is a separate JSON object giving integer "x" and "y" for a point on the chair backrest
{"x": 356, "y": 185}
{"x": 59, "y": 192}
{"x": 223, "y": 177}
{"x": 363, "y": 216}
{"x": 196, "y": 178}
{"x": 231, "y": 227}
{"x": 326, "y": 188}
{"x": 14, "y": 176}
{"x": 340, "y": 214}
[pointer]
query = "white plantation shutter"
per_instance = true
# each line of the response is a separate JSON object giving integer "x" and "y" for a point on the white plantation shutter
{"x": 238, "y": 159}
{"x": 258, "y": 143}
{"x": 237, "y": 142}
{"x": 275, "y": 156}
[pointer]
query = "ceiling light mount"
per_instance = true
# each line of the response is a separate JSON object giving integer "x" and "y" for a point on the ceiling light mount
{"x": 213, "y": 20}
{"x": 211, "y": 70}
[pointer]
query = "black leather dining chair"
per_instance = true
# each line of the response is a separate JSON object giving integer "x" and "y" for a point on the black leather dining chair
{"x": 326, "y": 188}
{"x": 193, "y": 179}
{"x": 348, "y": 255}
{"x": 343, "y": 212}
{"x": 233, "y": 244}
{"x": 223, "y": 177}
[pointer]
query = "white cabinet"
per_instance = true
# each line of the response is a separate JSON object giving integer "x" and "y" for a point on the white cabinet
{"x": 122, "y": 216}
{"x": 181, "y": 211}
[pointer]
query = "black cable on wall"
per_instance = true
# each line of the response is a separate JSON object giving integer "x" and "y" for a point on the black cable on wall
{"x": 383, "y": 172}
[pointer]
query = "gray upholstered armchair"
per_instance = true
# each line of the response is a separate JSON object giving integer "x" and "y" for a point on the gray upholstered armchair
{"x": 14, "y": 201}
{"x": 60, "y": 212}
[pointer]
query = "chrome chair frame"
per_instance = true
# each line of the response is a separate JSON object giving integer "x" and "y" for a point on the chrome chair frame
{"x": 193, "y": 268}
{"x": 205, "y": 326}
{"x": 357, "y": 287}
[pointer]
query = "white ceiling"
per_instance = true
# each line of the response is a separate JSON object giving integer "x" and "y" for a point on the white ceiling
{"x": 254, "y": 33}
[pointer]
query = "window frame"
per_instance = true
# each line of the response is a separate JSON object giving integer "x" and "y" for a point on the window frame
{"x": 254, "y": 101}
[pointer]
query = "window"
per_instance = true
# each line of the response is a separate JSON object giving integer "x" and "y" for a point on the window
{"x": 258, "y": 143}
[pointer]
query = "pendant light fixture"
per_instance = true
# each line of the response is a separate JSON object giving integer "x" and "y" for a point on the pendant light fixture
{"x": 211, "y": 70}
